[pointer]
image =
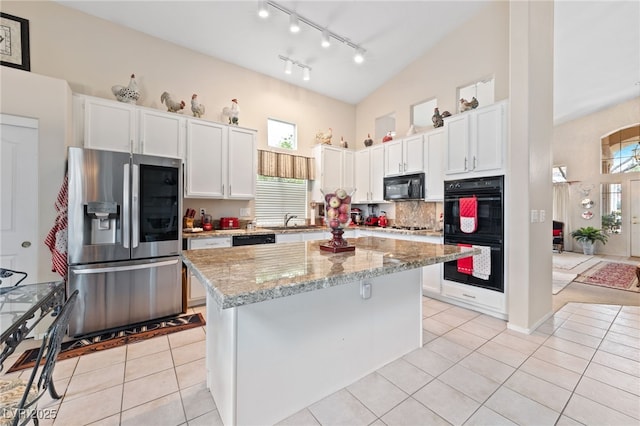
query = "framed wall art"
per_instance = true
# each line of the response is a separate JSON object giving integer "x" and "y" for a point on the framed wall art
{"x": 14, "y": 42}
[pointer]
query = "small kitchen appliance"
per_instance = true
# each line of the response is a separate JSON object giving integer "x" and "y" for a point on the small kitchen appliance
{"x": 372, "y": 219}
{"x": 382, "y": 220}
{"x": 356, "y": 216}
{"x": 229, "y": 223}
{"x": 207, "y": 222}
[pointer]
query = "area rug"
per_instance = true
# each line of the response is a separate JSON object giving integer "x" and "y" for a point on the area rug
{"x": 621, "y": 276}
{"x": 113, "y": 338}
{"x": 561, "y": 280}
{"x": 568, "y": 260}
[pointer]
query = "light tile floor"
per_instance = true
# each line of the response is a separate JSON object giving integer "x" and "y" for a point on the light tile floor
{"x": 582, "y": 366}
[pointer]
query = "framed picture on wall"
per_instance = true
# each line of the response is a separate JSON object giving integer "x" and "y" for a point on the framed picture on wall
{"x": 14, "y": 42}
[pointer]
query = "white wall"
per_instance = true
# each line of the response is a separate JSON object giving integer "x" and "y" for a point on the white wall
{"x": 479, "y": 49}
{"x": 49, "y": 101}
{"x": 576, "y": 144}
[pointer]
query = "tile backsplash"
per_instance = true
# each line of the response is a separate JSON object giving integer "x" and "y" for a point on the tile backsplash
{"x": 418, "y": 213}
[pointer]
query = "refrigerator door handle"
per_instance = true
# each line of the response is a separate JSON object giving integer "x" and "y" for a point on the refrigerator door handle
{"x": 135, "y": 206}
{"x": 124, "y": 268}
{"x": 126, "y": 205}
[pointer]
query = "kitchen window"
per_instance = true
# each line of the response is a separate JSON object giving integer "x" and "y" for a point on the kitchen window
{"x": 281, "y": 134}
{"x": 276, "y": 197}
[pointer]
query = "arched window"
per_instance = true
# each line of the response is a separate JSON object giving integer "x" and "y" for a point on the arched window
{"x": 621, "y": 151}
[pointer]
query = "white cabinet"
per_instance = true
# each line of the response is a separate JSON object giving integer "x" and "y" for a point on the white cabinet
{"x": 434, "y": 143}
{"x": 221, "y": 161}
{"x": 206, "y": 149}
{"x": 196, "y": 292}
{"x": 404, "y": 156}
{"x": 104, "y": 124}
{"x": 369, "y": 164}
{"x": 334, "y": 169}
{"x": 476, "y": 141}
{"x": 242, "y": 164}
{"x": 289, "y": 238}
{"x": 161, "y": 133}
{"x": 116, "y": 126}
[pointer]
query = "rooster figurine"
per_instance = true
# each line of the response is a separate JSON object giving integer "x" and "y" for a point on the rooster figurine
{"x": 437, "y": 119}
{"x": 196, "y": 108}
{"x": 129, "y": 94}
{"x": 467, "y": 105}
{"x": 232, "y": 112}
{"x": 324, "y": 138}
{"x": 172, "y": 106}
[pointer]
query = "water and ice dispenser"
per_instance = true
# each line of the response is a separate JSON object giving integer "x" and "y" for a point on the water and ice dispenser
{"x": 103, "y": 216}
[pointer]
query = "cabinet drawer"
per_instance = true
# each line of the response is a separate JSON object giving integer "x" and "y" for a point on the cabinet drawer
{"x": 202, "y": 243}
{"x": 474, "y": 295}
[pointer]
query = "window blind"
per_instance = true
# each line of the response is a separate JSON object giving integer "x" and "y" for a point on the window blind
{"x": 277, "y": 196}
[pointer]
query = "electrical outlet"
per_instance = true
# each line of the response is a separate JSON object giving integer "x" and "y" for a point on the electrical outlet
{"x": 245, "y": 212}
{"x": 542, "y": 216}
{"x": 203, "y": 212}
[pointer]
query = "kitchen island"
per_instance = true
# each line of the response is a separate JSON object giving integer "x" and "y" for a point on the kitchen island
{"x": 288, "y": 324}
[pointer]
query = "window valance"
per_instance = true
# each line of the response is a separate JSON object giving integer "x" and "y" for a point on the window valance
{"x": 285, "y": 165}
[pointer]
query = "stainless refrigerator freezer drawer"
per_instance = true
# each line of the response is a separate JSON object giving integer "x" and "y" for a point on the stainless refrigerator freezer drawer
{"x": 122, "y": 293}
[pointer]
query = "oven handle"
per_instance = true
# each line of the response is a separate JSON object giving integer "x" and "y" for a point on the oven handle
{"x": 456, "y": 198}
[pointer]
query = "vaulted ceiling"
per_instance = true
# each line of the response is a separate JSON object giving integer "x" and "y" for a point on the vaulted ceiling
{"x": 596, "y": 53}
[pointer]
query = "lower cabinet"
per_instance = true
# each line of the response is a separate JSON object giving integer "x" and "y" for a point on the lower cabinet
{"x": 196, "y": 292}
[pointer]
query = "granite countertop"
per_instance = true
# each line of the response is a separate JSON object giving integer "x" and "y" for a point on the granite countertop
{"x": 239, "y": 276}
{"x": 294, "y": 229}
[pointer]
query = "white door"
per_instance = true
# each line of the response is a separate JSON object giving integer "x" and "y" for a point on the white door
{"x": 413, "y": 155}
{"x": 362, "y": 176}
{"x": 457, "y": 151}
{"x": 242, "y": 164}
{"x": 204, "y": 162}
{"x": 635, "y": 218}
{"x": 161, "y": 134}
{"x": 109, "y": 125}
{"x": 393, "y": 158}
{"x": 18, "y": 208}
{"x": 377, "y": 173}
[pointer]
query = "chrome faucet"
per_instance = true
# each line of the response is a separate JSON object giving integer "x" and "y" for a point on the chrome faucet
{"x": 287, "y": 218}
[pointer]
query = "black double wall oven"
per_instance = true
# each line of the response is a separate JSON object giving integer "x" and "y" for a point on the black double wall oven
{"x": 489, "y": 201}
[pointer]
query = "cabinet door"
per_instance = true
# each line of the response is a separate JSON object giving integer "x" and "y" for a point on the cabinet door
{"x": 109, "y": 125}
{"x": 161, "y": 134}
{"x": 457, "y": 151}
{"x": 434, "y": 159}
{"x": 348, "y": 161}
{"x": 488, "y": 137}
{"x": 242, "y": 164}
{"x": 213, "y": 242}
{"x": 393, "y": 160}
{"x": 413, "y": 153}
{"x": 197, "y": 292}
{"x": 331, "y": 174}
{"x": 376, "y": 183}
{"x": 288, "y": 238}
{"x": 205, "y": 163}
{"x": 362, "y": 176}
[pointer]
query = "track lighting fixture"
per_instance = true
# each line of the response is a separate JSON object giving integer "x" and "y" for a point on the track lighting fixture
{"x": 263, "y": 11}
{"x": 294, "y": 27}
{"x": 294, "y": 23}
{"x": 288, "y": 67}
{"x": 326, "y": 42}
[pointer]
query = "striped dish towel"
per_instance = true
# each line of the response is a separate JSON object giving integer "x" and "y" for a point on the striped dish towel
{"x": 56, "y": 239}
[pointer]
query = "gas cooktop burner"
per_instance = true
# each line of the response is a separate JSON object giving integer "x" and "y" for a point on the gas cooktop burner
{"x": 410, "y": 228}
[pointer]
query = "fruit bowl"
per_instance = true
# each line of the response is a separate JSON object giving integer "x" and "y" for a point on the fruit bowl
{"x": 337, "y": 209}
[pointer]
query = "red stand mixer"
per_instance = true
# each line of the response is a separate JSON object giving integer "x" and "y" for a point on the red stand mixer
{"x": 372, "y": 219}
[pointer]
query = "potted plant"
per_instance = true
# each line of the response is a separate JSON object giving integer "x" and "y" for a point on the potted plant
{"x": 588, "y": 236}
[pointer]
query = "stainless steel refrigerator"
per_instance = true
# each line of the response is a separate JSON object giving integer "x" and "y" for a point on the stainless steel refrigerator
{"x": 124, "y": 238}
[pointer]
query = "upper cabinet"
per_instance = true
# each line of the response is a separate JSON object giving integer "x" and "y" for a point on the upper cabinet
{"x": 434, "y": 143}
{"x": 334, "y": 169}
{"x": 404, "y": 156}
{"x": 221, "y": 161}
{"x": 476, "y": 141}
{"x": 116, "y": 126}
{"x": 369, "y": 175}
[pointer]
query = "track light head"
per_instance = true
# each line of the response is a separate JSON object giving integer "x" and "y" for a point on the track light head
{"x": 359, "y": 56}
{"x": 288, "y": 66}
{"x": 294, "y": 23}
{"x": 306, "y": 74}
{"x": 263, "y": 11}
{"x": 326, "y": 42}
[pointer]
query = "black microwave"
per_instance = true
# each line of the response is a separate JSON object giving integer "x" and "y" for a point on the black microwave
{"x": 405, "y": 187}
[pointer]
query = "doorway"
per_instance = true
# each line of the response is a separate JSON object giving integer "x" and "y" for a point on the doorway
{"x": 635, "y": 218}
